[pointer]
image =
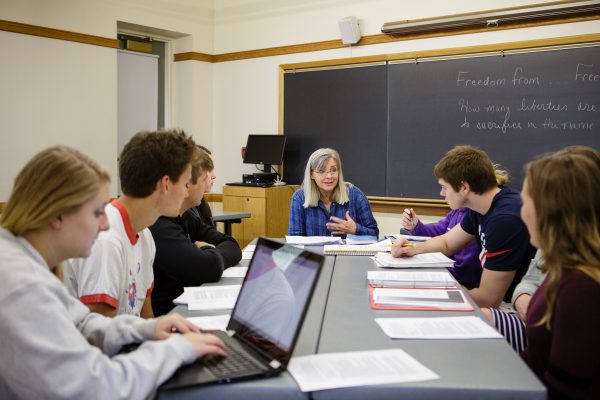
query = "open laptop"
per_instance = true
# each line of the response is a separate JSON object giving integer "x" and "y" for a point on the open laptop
{"x": 266, "y": 319}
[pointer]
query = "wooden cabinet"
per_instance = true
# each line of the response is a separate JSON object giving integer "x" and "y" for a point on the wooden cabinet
{"x": 269, "y": 207}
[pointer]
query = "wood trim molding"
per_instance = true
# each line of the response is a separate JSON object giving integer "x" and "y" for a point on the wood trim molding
{"x": 367, "y": 40}
{"x": 191, "y": 55}
{"x": 59, "y": 34}
{"x": 529, "y": 44}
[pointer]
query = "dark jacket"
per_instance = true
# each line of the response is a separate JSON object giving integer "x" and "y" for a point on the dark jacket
{"x": 179, "y": 263}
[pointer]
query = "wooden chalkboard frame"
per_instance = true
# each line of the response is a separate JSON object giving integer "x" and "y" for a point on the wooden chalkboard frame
{"x": 431, "y": 206}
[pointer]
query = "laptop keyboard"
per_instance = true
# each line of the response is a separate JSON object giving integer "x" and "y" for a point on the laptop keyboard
{"x": 235, "y": 362}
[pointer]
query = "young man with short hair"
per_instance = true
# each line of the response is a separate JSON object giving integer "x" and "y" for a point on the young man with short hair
{"x": 188, "y": 251}
{"x": 117, "y": 278}
{"x": 467, "y": 179}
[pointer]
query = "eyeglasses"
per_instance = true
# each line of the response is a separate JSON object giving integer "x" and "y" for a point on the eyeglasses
{"x": 332, "y": 171}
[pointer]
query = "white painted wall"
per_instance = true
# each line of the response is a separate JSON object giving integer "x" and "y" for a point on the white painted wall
{"x": 55, "y": 92}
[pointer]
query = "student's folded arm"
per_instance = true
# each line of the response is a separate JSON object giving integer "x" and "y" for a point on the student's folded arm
{"x": 227, "y": 246}
{"x": 178, "y": 258}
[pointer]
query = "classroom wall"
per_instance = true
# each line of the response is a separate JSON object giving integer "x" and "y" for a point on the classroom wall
{"x": 220, "y": 103}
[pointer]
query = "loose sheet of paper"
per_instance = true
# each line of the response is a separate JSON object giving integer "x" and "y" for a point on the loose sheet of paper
{"x": 211, "y": 322}
{"x": 248, "y": 251}
{"x": 336, "y": 370}
{"x": 235, "y": 272}
{"x": 313, "y": 240}
{"x": 212, "y": 297}
{"x": 468, "y": 327}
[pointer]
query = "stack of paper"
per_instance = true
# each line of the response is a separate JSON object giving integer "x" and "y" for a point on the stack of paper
{"x": 468, "y": 327}
{"x": 209, "y": 297}
{"x": 356, "y": 249}
{"x": 248, "y": 252}
{"x": 313, "y": 240}
{"x": 419, "y": 299}
{"x": 412, "y": 279}
{"x": 425, "y": 260}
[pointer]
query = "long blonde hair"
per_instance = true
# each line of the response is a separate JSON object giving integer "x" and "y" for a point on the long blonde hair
{"x": 55, "y": 181}
{"x": 565, "y": 190}
{"x": 316, "y": 162}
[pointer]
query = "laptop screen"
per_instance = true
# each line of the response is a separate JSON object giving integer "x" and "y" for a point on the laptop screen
{"x": 274, "y": 297}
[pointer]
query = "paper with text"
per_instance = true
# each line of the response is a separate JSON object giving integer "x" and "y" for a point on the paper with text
{"x": 468, "y": 327}
{"x": 212, "y": 297}
{"x": 360, "y": 368}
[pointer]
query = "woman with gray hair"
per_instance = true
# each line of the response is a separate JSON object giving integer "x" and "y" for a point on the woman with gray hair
{"x": 327, "y": 205}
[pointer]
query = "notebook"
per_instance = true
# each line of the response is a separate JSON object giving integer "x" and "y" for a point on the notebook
{"x": 266, "y": 319}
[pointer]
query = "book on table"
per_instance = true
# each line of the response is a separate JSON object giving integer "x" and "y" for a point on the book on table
{"x": 356, "y": 249}
{"x": 418, "y": 299}
{"x": 411, "y": 279}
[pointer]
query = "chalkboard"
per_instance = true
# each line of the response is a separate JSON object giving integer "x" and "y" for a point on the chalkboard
{"x": 345, "y": 109}
{"x": 515, "y": 106}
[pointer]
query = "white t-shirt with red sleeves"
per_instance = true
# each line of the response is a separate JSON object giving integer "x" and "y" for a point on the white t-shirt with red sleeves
{"x": 119, "y": 270}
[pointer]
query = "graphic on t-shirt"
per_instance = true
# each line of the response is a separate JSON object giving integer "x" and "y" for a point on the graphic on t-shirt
{"x": 482, "y": 255}
{"x": 132, "y": 290}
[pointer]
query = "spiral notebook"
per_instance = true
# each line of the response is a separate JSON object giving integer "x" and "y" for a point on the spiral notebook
{"x": 355, "y": 249}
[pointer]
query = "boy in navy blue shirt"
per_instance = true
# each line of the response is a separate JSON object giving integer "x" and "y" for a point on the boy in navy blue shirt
{"x": 467, "y": 179}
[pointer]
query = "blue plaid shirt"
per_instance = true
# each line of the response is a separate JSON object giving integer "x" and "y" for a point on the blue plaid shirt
{"x": 311, "y": 221}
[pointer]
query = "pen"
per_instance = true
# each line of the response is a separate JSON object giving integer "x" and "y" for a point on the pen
{"x": 407, "y": 244}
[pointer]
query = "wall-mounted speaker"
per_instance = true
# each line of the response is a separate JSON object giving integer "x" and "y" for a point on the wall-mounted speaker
{"x": 349, "y": 30}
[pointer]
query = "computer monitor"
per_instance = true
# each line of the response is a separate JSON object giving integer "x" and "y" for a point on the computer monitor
{"x": 265, "y": 149}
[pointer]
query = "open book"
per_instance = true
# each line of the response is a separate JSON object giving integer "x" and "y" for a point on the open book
{"x": 425, "y": 260}
{"x": 411, "y": 279}
{"x": 419, "y": 299}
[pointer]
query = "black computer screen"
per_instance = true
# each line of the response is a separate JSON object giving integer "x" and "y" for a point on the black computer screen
{"x": 264, "y": 149}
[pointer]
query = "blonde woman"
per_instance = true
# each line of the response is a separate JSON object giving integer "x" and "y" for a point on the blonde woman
{"x": 52, "y": 346}
{"x": 326, "y": 204}
{"x": 561, "y": 209}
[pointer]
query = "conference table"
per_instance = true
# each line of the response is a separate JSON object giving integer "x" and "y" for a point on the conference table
{"x": 340, "y": 319}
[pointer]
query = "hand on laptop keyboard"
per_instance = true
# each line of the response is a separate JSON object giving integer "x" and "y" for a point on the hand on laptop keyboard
{"x": 206, "y": 343}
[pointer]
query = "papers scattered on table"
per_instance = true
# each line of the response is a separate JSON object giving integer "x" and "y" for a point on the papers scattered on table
{"x": 411, "y": 279}
{"x": 210, "y": 297}
{"x": 425, "y": 260}
{"x": 235, "y": 272}
{"x": 375, "y": 367}
{"x": 248, "y": 251}
{"x": 411, "y": 238}
{"x": 313, "y": 240}
{"x": 211, "y": 322}
{"x": 360, "y": 239}
{"x": 356, "y": 249}
{"x": 419, "y": 299}
{"x": 469, "y": 327}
